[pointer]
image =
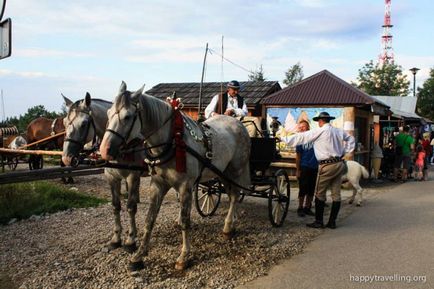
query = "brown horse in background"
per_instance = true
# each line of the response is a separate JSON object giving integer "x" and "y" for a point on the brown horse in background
{"x": 43, "y": 127}
{"x": 39, "y": 129}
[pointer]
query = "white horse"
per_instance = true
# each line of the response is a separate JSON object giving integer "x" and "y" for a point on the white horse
{"x": 18, "y": 142}
{"x": 135, "y": 116}
{"x": 85, "y": 122}
{"x": 355, "y": 172}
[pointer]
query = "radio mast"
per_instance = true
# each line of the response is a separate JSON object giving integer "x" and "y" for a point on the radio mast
{"x": 386, "y": 55}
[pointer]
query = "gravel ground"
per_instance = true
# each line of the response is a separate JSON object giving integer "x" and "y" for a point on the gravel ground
{"x": 67, "y": 249}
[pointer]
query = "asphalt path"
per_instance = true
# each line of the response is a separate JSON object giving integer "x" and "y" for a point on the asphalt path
{"x": 387, "y": 243}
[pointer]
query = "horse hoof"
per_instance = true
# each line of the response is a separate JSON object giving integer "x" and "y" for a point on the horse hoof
{"x": 136, "y": 266}
{"x": 180, "y": 266}
{"x": 113, "y": 246}
{"x": 350, "y": 202}
{"x": 228, "y": 236}
{"x": 359, "y": 205}
{"x": 131, "y": 248}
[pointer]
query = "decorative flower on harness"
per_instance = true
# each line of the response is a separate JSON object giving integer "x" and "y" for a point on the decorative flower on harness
{"x": 178, "y": 133}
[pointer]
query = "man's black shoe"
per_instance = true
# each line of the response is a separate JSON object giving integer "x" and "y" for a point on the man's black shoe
{"x": 316, "y": 225}
{"x": 300, "y": 212}
{"x": 331, "y": 225}
{"x": 308, "y": 211}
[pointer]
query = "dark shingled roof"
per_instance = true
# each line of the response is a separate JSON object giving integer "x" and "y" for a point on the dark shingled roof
{"x": 252, "y": 91}
{"x": 323, "y": 88}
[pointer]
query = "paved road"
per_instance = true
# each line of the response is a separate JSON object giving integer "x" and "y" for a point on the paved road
{"x": 391, "y": 236}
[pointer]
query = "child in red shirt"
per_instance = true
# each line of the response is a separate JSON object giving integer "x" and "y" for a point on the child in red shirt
{"x": 420, "y": 162}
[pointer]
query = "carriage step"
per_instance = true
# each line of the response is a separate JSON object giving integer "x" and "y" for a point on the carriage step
{"x": 283, "y": 165}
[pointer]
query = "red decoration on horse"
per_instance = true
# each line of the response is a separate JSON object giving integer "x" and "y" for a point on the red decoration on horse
{"x": 178, "y": 133}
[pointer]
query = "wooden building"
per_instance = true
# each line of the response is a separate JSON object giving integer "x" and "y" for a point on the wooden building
{"x": 355, "y": 111}
{"x": 252, "y": 91}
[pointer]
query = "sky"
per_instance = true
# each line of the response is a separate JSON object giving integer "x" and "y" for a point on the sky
{"x": 74, "y": 47}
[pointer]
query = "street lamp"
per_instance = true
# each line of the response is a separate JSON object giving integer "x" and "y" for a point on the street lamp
{"x": 414, "y": 70}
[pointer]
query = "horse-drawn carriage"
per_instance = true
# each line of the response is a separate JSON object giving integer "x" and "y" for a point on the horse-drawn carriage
{"x": 241, "y": 163}
{"x": 267, "y": 182}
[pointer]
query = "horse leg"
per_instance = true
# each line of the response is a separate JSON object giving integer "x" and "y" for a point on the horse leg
{"x": 185, "y": 199}
{"x": 115, "y": 187}
{"x": 157, "y": 192}
{"x": 351, "y": 200}
{"x": 228, "y": 228}
{"x": 359, "y": 190}
{"x": 133, "y": 184}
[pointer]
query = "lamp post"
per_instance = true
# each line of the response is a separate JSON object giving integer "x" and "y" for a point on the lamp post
{"x": 414, "y": 70}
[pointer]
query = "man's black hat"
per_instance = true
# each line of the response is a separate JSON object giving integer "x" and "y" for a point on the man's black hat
{"x": 234, "y": 84}
{"x": 323, "y": 115}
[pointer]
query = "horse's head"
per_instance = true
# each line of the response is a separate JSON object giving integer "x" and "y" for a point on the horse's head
{"x": 124, "y": 122}
{"x": 79, "y": 127}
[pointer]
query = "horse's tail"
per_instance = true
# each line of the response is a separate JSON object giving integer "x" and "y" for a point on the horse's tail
{"x": 365, "y": 172}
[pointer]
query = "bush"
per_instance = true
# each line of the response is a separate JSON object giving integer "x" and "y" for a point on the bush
{"x": 26, "y": 199}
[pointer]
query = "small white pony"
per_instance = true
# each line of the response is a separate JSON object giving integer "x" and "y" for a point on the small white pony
{"x": 355, "y": 172}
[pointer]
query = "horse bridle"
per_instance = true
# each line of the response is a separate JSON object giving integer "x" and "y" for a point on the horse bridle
{"x": 81, "y": 143}
{"x": 146, "y": 149}
{"x": 127, "y": 136}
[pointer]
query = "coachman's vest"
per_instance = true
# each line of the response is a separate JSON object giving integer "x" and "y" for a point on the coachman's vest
{"x": 223, "y": 102}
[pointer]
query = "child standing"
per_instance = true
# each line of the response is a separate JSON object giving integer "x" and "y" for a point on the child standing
{"x": 420, "y": 162}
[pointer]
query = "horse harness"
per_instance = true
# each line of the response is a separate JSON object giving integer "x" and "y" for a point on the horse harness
{"x": 82, "y": 142}
{"x": 169, "y": 148}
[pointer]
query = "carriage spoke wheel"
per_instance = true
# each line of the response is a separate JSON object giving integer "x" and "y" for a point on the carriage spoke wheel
{"x": 278, "y": 198}
{"x": 12, "y": 163}
{"x": 207, "y": 197}
{"x": 36, "y": 162}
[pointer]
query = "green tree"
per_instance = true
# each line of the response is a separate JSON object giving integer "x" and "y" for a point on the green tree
{"x": 386, "y": 79}
{"x": 32, "y": 113}
{"x": 294, "y": 74}
{"x": 425, "y": 98}
{"x": 257, "y": 75}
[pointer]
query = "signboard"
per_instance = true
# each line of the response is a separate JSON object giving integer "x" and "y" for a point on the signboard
{"x": 5, "y": 38}
{"x": 289, "y": 117}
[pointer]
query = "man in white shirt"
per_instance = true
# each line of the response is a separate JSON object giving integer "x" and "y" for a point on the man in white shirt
{"x": 330, "y": 144}
{"x": 229, "y": 103}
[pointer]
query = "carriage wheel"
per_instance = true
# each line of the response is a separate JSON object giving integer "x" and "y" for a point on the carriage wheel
{"x": 242, "y": 195}
{"x": 207, "y": 197}
{"x": 12, "y": 163}
{"x": 36, "y": 162}
{"x": 278, "y": 198}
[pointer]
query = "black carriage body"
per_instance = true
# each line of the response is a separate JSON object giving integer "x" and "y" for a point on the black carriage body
{"x": 262, "y": 154}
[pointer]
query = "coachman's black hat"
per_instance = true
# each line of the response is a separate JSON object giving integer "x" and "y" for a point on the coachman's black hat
{"x": 234, "y": 84}
{"x": 323, "y": 115}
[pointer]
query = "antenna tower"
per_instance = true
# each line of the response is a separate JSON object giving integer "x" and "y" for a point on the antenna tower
{"x": 386, "y": 55}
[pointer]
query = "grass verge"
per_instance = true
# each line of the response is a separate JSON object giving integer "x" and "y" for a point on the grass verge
{"x": 23, "y": 200}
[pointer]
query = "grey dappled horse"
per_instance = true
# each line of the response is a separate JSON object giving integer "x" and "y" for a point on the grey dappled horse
{"x": 86, "y": 120}
{"x": 146, "y": 117}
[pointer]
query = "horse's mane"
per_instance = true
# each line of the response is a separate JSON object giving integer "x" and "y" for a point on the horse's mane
{"x": 76, "y": 104}
{"x": 123, "y": 100}
{"x": 155, "y": 109}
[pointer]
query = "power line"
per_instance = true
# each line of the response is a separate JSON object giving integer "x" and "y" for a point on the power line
{"x": 212, "y": 51}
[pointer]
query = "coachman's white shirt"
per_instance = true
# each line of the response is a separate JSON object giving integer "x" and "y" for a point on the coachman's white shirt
{"x": 232, "y": 104}
{"x": 327, "y": 141}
